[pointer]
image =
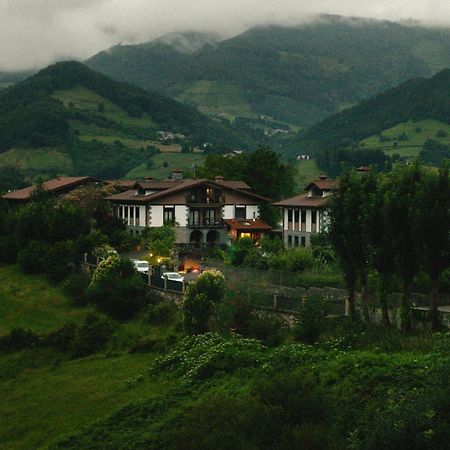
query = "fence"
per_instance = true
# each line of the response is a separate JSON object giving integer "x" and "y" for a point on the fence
{"x": 280, "y": 291}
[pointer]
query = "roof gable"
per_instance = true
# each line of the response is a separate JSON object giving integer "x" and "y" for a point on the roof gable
{"x": 53, "y": 186}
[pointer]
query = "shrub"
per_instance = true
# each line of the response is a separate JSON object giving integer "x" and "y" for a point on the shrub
{"x": 19, "y": 339}
{"x": 310, "y": 320}
{"x": 237, "y": 252}
{"x": 163, "y": 313}
{"x": 294, "y": 260}
{"x": 441, "y": 134}
{"x": 200, "y": 300}
{"x": 153, "y": 344}
{"x": 8, "y": 249}
{"x": 32, "y": 258}
{"x": 197, "y": 309}
{"x": 268, "y": 328}
{"x": 94, "y": 334}
{"x": 117, "y": 289}
{"x": 75, "y": 287}
{"x": 256, "y": 259}
{"x": 59, "y": 260}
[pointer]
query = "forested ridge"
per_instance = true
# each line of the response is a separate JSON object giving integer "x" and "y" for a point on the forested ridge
{"x": 298, "y": 74}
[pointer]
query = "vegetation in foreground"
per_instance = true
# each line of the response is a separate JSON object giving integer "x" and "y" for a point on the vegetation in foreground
{"x": 340, "y": 386}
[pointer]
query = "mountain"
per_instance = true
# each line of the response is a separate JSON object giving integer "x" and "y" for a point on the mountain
{"x": 298, "y": 75}
{"x": 416, "y": 99}
{"x": 398, "y": 121}
{"x": 68, "y": 118}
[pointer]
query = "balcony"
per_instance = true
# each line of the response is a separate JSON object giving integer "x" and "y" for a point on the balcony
{"x": 205, "y": 201}
{"x": 206, "y": 223}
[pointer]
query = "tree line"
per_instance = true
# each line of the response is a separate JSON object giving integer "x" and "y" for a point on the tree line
{"x": 396, "y": 226}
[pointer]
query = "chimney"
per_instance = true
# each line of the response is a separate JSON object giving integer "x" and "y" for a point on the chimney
{"x": 219, "y": 178}
{"x": 323, "y": 177}
{"x": 177, "y": 174}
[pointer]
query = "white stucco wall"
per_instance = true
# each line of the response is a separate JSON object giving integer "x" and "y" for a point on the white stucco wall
{"x": 252, "y": 212}
{"x": 228, "y": 212}
{"x": 157, "y": 216}
{"x": 142, "y": 214}
{"x": 181, "y": 215}
{"x": 308, "y": 220}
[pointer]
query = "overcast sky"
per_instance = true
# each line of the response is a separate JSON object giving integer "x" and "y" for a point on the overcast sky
{"x": 35, "y": 33}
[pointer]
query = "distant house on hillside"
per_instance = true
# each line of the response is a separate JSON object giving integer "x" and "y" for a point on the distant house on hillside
{"x": 303, "y": 215}
{"x": 57, "y": 186}
{"x": 203, "y": 211}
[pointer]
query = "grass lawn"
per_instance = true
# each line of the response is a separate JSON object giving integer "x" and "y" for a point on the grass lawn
{"x": 181, "y": 161}
{"x": 413, "y": 145}
{"x": 43, "y": 404}
{"x": 38, "y": 160}
{"x": 32, "y": 302}
{"x": 306, "y": 170}
{"x": 87, "y": 100}
{"x": 218, "y": 98}
{"x": 46, "y": 395}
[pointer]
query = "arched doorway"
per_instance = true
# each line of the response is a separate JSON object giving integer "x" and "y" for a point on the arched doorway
{"x": 212, "y": 238}
{"x": 196, "y": 238}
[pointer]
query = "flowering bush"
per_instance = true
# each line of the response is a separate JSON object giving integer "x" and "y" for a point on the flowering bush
{"x": 105, "y": 268}
{"x": 202, "y": 356}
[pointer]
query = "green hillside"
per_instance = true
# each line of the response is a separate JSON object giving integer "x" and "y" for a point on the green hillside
{"x": 399, "y": 122}
{"x": 68, "y": 119}
{"x": 407, "y": 139}
{"x": 297, "y": 75}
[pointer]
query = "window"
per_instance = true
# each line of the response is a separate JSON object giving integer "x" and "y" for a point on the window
{"x": 169, "y": 215}
{"x": 194, "y": 217}
{"x": 296, "y": 241}
{"x": 131, "y": 215}
{"x": 313, "y": 217}
{"x": 296, "y": 217}
{"x": 210, "y": 217}
{"x": 125, "y": 214}
{"x": 240, "y": 212}
{"x": 289, "y": 241}
{"x": 137, "y": 215}
{"x": 303, "y": 241}
{"x": 303, "y": 211}
{"x": 120, "y": 212}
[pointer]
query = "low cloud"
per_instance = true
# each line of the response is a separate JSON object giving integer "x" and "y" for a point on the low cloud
{"x": 34, "y": 33}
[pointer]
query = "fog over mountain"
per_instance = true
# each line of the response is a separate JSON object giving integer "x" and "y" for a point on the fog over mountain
{"x": 34, "y": 33}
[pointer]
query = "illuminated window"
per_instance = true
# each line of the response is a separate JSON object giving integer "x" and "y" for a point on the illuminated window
{"x": 246, "y": 235}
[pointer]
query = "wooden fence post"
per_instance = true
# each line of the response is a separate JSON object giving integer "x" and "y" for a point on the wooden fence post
{"x": 275, "y": 302}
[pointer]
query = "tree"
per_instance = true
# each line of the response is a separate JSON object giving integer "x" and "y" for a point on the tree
{"x": 349, "y": 212}
{"x": 201, "y": 299}
{"x": 382, "y": 250}
{"x": 160, "y": 241}
{"x": 433, "y": 209}
{"x": 117, "y": 289}
{"x": 403, "y": 226}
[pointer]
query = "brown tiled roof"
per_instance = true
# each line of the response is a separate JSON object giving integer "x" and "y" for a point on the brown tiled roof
{"x": 157, "y": 184}
{"x": 234, "y": 184}
{"x": 323, "y": 184}
{"x": 180, "y": 185}
{"x": 251, "y": 224}
{"x": 121, "y": 184}
{"x": 303, "y": 201}
{"x": 55, "y": 185}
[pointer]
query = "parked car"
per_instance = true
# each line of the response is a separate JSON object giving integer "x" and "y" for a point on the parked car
{"x": 173, "y": 276}
{"x": 140, "y": 266}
